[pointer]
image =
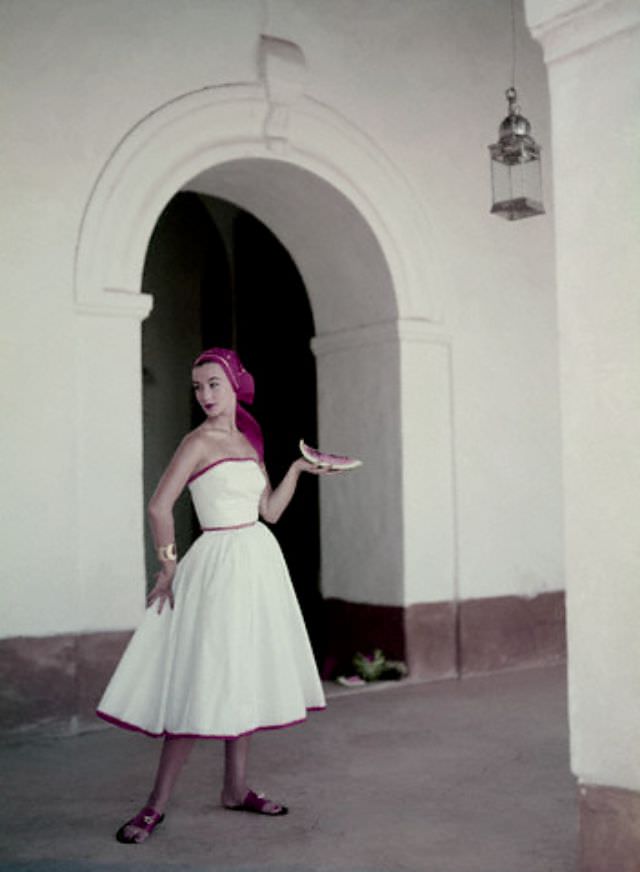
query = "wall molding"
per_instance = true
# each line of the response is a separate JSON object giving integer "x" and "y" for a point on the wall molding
{"x": 384, "y": 333}
{"x": 194, "y": 132}
{"x": 578, "y": 26}
{"x": 283, "y": 69}
{"x": 117, "y": 303}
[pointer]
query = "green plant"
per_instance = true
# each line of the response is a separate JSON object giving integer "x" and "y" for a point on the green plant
{"x": 376, "y": 667}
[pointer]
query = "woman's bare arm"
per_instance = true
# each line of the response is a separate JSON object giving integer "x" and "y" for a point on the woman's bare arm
{"x": 275, "y": 500}
{"x": 183, "y": 463}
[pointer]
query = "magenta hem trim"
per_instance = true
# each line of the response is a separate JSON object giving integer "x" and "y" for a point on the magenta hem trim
{"x": 217, "y": 463}
{"x": 116, "y": 722}
{"x": 233, "y": 527}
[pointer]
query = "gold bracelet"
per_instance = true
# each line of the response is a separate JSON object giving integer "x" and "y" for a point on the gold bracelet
{"x": 167, "y": 552}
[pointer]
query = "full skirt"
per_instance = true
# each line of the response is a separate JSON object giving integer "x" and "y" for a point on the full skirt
{"x": 231, "y": 658}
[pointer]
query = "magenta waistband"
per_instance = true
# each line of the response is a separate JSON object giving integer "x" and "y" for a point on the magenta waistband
{"x": 233, "y": 527}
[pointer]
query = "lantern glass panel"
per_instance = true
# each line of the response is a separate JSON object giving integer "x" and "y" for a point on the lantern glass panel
{"x": 517, "y": 188}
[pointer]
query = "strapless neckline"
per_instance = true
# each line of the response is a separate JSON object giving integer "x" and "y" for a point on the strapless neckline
{"x": 218, "y": 462}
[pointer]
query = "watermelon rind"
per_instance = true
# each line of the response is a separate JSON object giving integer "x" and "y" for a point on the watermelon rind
{"x": 326, "y": 460}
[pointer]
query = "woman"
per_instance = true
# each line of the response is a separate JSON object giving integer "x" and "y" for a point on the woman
{"x": 223, "y": 650}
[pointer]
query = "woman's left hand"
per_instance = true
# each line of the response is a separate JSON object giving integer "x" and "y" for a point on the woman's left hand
{"x": 304, "y": 465}
{"x": 162, "y": 591}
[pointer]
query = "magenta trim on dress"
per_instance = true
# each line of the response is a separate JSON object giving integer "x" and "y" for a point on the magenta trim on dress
{"x": 116, "y": 722}
{"x": 233, "y": 527}
{"x": 217, "y": 463}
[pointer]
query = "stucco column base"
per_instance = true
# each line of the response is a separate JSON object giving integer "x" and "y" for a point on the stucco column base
{"x": 504, "y": 632}
{"x": 609, "y": 836}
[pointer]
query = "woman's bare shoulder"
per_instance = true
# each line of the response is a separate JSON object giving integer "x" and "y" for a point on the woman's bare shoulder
{"x": 194, "y": 437}
{"x": 192, "y": 445}
{"x": 203, "y": 444}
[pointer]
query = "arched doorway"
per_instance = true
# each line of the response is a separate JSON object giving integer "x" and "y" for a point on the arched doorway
{"x": 220, "y": 277}
{"x": 369, "y": 261}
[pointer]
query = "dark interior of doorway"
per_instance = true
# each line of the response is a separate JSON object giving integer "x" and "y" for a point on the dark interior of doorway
{"x": 219, "y": 276}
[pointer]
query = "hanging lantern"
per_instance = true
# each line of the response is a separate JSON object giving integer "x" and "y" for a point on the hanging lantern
{"x": 516, "y": 174}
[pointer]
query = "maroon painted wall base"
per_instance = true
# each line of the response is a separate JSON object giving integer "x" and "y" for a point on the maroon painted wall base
{"x": 609, "y": 837}
{"x": 53, "y": 680}
{"x": 441, "y": 640}
{"x": 57, "y": 680}
{"x": 423, "y": 635}
{"x": 508, "y": 631}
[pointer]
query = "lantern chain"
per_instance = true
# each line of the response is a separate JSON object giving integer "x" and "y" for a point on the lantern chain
{"x": 513, "y": 45}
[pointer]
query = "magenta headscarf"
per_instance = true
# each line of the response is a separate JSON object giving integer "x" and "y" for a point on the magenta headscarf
{"x": 244, "y": 386}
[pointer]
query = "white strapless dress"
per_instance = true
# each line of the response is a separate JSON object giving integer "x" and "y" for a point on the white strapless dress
{"x": 233, "y": 656}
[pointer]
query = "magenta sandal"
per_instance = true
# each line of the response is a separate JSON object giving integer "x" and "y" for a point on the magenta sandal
{"x": 255, "y": 802}
{"x": 147, "y": 819}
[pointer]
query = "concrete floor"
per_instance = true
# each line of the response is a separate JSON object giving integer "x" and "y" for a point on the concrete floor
{"x": 457, "y": 776}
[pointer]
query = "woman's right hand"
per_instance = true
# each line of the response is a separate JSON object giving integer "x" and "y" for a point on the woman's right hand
{"x": 161, "y": 592}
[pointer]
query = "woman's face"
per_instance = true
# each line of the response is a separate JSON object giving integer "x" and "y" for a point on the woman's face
{"x": 213, "y": 390}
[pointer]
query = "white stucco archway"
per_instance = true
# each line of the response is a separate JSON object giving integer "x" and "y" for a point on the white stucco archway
{"x": 184, "y": 138}
{"x": 361, "y": 241}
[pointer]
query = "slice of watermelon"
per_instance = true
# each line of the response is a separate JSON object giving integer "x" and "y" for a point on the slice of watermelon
{"x": 328, "y": 461}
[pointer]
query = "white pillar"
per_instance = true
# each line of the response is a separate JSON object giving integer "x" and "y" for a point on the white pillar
{"x": 592, "y": 51}
{"x": 428, "y": 489}
{"x": 387, "y": 529}
{"x": 109, "y": 497}
{"x": 359, "y": 414}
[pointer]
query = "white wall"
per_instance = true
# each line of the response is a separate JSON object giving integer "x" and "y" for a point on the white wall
{"x": 428, "y": 469}
{"x": 76, "y": 76}
{"x": 424, "y": 83}
{"x": 427, "y": 82}
{"x": 598, "y": 228}
{"x": 362, "y": 513}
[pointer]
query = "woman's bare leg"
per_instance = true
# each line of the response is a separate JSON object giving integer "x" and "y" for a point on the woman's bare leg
{"x": 235, "y": 787}
{"x": 175, "y": 752}
{"x": 236, "y": 753}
